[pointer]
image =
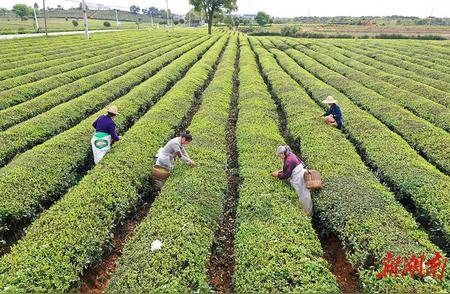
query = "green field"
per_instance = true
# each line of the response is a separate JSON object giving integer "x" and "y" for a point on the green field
{"x": 15, "y": 25}
{"x": 355, "y": 31}
{"x": 226, "y": 224}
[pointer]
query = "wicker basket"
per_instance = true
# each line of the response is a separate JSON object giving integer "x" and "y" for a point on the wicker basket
{"x": 160, "y": 173}
{"x": 312, "y": 179}
{"x": 330, "y": 119}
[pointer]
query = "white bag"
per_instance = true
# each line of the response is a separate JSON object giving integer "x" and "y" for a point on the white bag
{"x": 298, "y": 182}
{"x": 101, "y": 144}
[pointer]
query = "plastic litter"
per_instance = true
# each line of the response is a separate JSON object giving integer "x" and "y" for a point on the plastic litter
{"x": 156, "y": 245}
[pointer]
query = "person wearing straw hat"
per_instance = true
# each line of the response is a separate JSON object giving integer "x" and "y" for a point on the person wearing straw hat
{"x": 293, "y": 171}
{"x": 333, "y": 116}
{"x": 105, "y": 134}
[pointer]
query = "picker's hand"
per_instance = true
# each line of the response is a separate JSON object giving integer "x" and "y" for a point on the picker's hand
{"x": 275, "y": 173}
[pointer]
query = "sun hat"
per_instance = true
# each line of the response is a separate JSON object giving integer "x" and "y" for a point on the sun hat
{"x": 329, "y": 100}
{"x": 114, "y": 110}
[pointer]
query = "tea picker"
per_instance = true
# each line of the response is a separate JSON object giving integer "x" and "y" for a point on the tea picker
{"x": 165, "y": 157}
{"x": 294, "y": 171}
{"x": 333, "y": 116}
{"x": 105, "y": 134}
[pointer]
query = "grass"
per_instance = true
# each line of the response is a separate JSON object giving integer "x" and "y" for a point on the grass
{"x": 15, "y": 25}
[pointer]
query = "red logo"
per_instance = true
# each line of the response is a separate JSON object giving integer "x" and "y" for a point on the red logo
{"x": 413, "y": 266}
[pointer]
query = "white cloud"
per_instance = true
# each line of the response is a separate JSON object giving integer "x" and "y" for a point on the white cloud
{"x": 289, "y": 8}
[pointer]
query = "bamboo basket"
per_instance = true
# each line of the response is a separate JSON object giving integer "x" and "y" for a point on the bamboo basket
{"x": 160, "y": 173}
{"x": 312, "y": 179}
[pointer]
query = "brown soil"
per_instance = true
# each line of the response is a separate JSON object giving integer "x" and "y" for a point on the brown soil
{"x": 10, "y": 238}
{"x": 222, "y": 262}
{"x": 96, "y": 279}
{"x": 345, "y": 275}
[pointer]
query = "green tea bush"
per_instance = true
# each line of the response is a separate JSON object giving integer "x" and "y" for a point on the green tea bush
{"x": 435, "y": 113}
{"x": 384, "y": 64}
{"x": 352, "y": 203}
{"x": 25, "y": 135}
{"x": 191, "y": 198}
{"x": 431, "y": 141}
{"x": 277, "y": 250}
{"x": 106, "y": 71}
{"x": 42, "y": 174}
{"x": 73, "y": 233}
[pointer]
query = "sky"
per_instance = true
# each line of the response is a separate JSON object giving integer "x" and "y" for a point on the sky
{"x": 283, "y": 8}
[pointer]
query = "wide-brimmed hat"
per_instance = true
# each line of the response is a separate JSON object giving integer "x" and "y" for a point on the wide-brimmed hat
{"x": 329, "y": 100}
{"x": 113, "y": 110}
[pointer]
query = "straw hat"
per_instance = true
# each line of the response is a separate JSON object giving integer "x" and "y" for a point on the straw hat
{"x": 329, "y": 100}
{"x": 114, "y": 110}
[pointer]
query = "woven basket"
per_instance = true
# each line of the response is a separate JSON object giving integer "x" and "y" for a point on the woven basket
{"x": 312, "y": 179}
{"x": 330, "y": 119}
{"x": 160, "y": 173}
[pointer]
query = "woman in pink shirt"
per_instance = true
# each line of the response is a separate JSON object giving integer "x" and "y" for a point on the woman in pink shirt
{"x": 293, "y": 171}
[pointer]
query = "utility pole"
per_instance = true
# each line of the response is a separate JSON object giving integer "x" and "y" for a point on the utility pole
{"x": 151, "y": 17}
{"x": 117, "y": 20}
{"x": 189, "y": 6}
{"x": 45, "y": 18}
{"x": 167, "y": 12}
{"x": 35, "y": 17}
{"x": 86, "y": 29}
{"x": 431, "y": 15}
{"x": 201, "y": 16}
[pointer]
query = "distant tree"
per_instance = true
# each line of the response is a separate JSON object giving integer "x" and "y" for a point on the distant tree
{"x": 134, "y": 9}
{"x": 194, "y": 15}
{"x": 155, "y": 12}
{"x": 163, "y": 13}
{"x": 212, "y": 7}
{"x": 176, "y": 22}
{"x": 181, "y": 21}
{"x": 36, "y": 6}
{"x": 81, "y": 6}
{"x": 144, "y": 11}
{"x": 244, "y": 21}
{"x": 3, "y": 11}
{"x": 289, "y": 31}
{"x": 22, "y": 10}
{"x": 228, "y": 20}
{"x": 218, "y": 17}
{"x": 107, "y": 24}
{"x": 59, "y": 7}
{"x": 75, "y": 23}
{"x": 262, "y": 18}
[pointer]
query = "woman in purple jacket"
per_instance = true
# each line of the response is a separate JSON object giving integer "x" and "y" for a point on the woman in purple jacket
{"x": 293, "y": 171}
{"x": 105, "y": 134}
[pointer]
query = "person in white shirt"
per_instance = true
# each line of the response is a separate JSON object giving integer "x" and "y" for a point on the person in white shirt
{"x": 174, "y": 148}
